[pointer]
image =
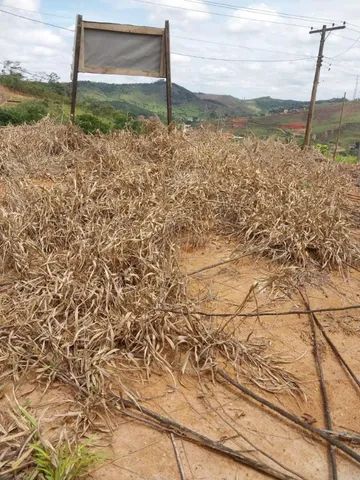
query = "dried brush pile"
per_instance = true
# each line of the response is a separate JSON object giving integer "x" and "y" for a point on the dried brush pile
{"x": 93, "y": 256}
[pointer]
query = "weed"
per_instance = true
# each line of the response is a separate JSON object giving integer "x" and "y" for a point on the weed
{"x": 63, "y": 462}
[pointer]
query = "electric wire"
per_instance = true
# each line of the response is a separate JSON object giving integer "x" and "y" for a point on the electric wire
{"x": 145, "y": 2}
{"x": 241, "y": 60}
{"x": 36, "y": 21}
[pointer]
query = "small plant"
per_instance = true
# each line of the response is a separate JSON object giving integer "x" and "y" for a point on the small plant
{"x": 323, "y": 149}
{"x": 63, "y": 462}
{"x": 38, "y": 459}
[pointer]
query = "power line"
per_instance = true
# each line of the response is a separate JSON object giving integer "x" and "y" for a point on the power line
{"x": 241, "y": 60}
{"x": 347, "y": 50}
{"x": 36, "y": 21}
{"x": 50, "y": 14}
{"x": 218, "y": 14}
{"x": 236, "y": 46}
{"x": 330, "y": 65}
{"x": 259, "y": 10}
{"x": 212, "y": 3}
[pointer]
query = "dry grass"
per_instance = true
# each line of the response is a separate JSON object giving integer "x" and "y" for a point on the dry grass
{"x": 94, "y": 254}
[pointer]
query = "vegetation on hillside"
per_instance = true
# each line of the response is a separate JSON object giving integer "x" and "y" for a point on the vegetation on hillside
{"x": 104, "y": 107}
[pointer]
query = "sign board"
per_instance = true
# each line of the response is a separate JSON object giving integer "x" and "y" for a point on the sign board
{"x": 122, "y": 50}
{"x": 111, "y": 48}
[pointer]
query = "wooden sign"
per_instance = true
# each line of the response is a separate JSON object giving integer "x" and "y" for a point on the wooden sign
{"x": 110, "y": 48}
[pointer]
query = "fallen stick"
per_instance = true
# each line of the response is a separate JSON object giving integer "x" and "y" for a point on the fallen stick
{"x": 289, "y": 416}
{"x": 218, "y": 264}
{"x": 170, "y": 426}
{"x": 177, "y": 456}
{"x": 232, "y": 425}
{"x": 260, "y": 314}
{"x": 323, "y": 390}
{"x": 336, "y": 352}
{"x": 346, "y": 436}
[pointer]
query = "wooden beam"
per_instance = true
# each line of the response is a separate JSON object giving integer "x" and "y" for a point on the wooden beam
{"x": 115, "y": 27}
{"x": 168, "y": 73}
{"x": 75, "y": 67}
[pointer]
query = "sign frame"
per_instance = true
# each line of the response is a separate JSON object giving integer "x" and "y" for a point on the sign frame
{"x": 79, "y": 61}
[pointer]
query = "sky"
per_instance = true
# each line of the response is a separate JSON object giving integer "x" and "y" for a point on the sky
{"x": 251, "y": 48}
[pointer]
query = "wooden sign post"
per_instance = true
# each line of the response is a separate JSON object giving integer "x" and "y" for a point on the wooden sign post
{"x": 168, "y": 73}
{"x": 75, "y": 67}
{"x": 111, "y": 48}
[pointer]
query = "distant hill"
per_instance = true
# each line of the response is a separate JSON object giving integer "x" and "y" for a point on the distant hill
{"x": 250, "y": 107}
{"x": 143, "y": 98}
{"x": 149, "y": 99}
{"x": 325, "y": 122}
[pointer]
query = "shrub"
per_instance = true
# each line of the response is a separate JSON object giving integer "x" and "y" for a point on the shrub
{"x": 127, "y": 121}
{"x": 27, "y": 112}
{"x": 91, "y": 124}
{"x": 9, "y": 117}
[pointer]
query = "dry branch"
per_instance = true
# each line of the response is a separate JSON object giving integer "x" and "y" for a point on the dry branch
{"x": 289, "y": 416}
{"x": 262, "y": 314}
{"x": 178, "y": 459}
{"x": 219, "y": 264}
{"x": 323, "y": 389}
{"x": 170, "y": 426}
{"x": 335, "y": 350}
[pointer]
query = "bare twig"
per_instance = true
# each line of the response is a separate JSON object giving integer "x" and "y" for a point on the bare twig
{"x": 233, "y": 426}
{"x": 338, "y": 355}
{"x": 218, "y": 264}
{"x": 323, "y": 389}
{"x": 317, "y": 432}
{"x": 261, "y": 314}
{"x": 167, "y": 425}
{"x": 346, "y": 437}
{"x": 178, "y": 459}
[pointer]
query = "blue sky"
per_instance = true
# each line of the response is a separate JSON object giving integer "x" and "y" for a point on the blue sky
{"x": 248, "y": 53}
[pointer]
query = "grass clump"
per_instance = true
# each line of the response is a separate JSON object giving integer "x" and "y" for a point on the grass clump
{"x": 63, "y": 462}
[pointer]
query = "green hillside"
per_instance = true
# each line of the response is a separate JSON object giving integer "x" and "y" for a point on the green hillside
{"x": 142, "y": 98}
{"x": 149, "y": 98}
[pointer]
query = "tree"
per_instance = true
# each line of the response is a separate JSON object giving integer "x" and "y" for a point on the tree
{"x": 13, "y": 68}
{"x": 53, "y": 78}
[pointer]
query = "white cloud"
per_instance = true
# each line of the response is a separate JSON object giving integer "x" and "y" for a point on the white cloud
{"x": 42, "y": 48}
{"x": 250, "y": 21}
{"x": 191, "y": 11}
{"x": 175, "y": 58}
{"x": 37, "y": 46}
{"x": 27, "y": 4}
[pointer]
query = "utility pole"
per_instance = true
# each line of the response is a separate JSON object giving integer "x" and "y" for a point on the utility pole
{"x": 356, "y": 88}
{"x": 320, "y": 57}
{"x": 340, "y": 123}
